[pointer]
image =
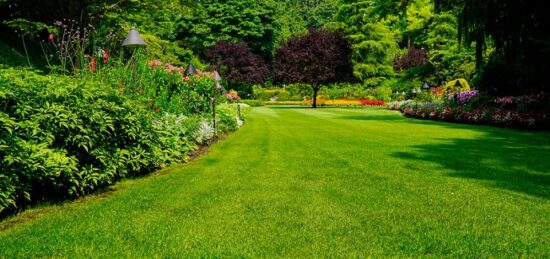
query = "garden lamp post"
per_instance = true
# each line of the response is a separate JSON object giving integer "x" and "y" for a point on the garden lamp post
{"x": 218, "y": 79}
{"x": 133, "y": 41}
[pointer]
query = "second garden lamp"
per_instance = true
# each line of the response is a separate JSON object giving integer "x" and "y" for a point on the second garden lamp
{"x": 133, "y": 40}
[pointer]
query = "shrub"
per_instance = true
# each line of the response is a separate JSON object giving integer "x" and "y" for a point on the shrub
{"x": 62, "y": 137}
{"x": 228, "y": 118}
{"x": 456, "y": 86}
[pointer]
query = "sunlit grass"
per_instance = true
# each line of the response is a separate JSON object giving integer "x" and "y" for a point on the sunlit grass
{"x": 299, "y": 182}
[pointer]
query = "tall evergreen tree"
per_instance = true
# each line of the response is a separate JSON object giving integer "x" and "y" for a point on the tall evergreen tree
{"x": 374, "y": 45}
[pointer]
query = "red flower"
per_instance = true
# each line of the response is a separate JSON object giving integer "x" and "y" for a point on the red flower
{"x": 372, "y": 102}
{"x": 51, "y": 37}
{"x": 106, "y": 56}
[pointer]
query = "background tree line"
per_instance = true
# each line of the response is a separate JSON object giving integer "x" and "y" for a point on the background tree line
{"x": 500, "y": 45}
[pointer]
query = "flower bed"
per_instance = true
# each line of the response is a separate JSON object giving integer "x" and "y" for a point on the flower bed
{"x": 529, "y": 111}
{"x": 331, "y": 102}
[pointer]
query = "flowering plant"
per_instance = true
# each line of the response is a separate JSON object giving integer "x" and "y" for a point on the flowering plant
{"x": 232, "y": 95}
{"x": 464, "y": 97}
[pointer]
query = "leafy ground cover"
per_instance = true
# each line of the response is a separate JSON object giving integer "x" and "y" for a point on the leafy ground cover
{"x": 332, "y": 182}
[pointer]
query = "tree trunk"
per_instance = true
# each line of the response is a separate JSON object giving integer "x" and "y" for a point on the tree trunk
{"x": 315, "y": 91}
{"x": 479, "y": 49}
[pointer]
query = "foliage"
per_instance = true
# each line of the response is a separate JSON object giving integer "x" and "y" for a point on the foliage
{"x": 456, "y": 86}
{"x": 317, "y": 58}
{"x": 413, "y": 58}
{"x": 63, "y": 137}
{"x": 249, "y": 21}
{"x": 227, "y": 118}
{"x": 374, "y": 45}
{"x": 238, "y": 65}
{"x": 519, "y": 31}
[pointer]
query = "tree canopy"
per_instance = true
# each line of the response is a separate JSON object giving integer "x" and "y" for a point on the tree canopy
{"x": 317, "y": 58}
{"x": 470, "y": 39}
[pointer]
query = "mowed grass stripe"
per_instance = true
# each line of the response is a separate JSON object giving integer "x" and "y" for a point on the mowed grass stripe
{"x": 298, "y": 182}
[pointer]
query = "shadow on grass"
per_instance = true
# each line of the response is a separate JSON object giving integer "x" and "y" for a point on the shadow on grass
{"x": 518, "y": 161}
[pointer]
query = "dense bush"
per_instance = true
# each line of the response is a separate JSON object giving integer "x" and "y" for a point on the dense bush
{"x": 62, "y": 137}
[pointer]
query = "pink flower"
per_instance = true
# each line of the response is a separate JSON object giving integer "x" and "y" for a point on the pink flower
{"x": 181, "y": 70}
{"x": 51, "y": 37}
{"x": 170, "y": 68}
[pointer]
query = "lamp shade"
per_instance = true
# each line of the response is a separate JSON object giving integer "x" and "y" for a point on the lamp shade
{"x": 217, "y": 76}
{"x": 221, "y": 88}
{"x": 133, "y": 40}
{"x": 190, "y": 70}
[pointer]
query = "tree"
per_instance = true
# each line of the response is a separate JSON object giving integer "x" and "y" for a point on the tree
{"x": 238, "y": 65}
{"x": 519, "y": 31}
{"x": 414, "y": 57}
{"x": 374, "y": 44}
{"x": 250, "y": 21}
{"x": 317, "y": 58}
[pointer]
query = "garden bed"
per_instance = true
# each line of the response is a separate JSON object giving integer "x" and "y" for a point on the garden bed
{"x": 525, "y": 112}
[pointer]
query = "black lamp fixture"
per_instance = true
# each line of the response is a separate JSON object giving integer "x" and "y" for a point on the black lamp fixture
{"x": 458, "y": 84}
{"x": 133, "y": 40}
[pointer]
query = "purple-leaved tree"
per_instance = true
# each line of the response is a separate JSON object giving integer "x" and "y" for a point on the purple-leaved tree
{"x": 236, "y": 63}
{"x": 317, "y": 58}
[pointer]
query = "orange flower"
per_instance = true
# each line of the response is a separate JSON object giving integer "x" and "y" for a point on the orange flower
{"x": 93, "y": 65}
{"x": 155, "y": 63}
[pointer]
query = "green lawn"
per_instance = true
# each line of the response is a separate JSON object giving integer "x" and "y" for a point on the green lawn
{"x": 298, "y": 182}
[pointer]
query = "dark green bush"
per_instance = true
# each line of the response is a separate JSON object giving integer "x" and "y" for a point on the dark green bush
{"x": 61, "y": 137}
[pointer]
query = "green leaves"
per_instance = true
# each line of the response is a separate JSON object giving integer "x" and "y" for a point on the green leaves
{"x": 248, "y": 21}
{"x": 64, "y": 137}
